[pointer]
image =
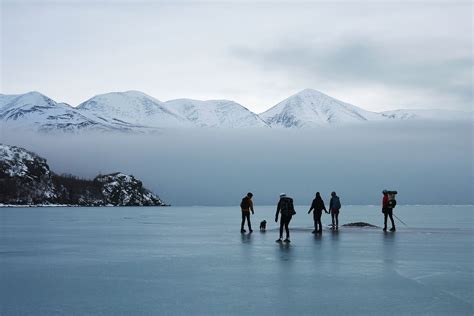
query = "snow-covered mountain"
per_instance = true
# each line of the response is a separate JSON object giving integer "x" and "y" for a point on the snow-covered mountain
{"x": 35, "y": 111}
{"x": 131, "y": 108}
{"x": 309, "y": 108}
{"x": 134, "y": 111}
{"x": 216, "y": 113}
{"x": 432, "y": 115}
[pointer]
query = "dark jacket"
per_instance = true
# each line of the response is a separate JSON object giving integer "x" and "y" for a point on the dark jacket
{"x": 335, "y": 203}
{"x": 285, "y": 213}
{"x": 250, "y": 203}
{"x": 318, "y": 205}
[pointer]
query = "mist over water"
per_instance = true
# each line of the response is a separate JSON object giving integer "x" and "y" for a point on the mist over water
{"x": 428, "y": 163}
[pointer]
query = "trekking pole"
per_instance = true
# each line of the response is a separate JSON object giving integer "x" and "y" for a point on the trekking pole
{"x": 400, "y": 220}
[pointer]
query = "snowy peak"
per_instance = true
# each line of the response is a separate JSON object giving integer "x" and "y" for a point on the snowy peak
{"x": 137, "y": 112}
{"x": 216, "y": 113}
{"x": 34, "y": 111}
{"x": 131, "y": 107}
{"x": 310, "y": 107}
{"x": 30, "y": 99}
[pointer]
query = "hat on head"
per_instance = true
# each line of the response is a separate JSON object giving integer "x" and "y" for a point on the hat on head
{"x": 282, "y": 194}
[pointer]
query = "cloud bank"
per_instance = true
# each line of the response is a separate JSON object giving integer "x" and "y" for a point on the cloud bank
{"x": 427, "y": 163}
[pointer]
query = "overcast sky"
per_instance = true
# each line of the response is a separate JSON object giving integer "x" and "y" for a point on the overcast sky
{"x": 374, "y": 54}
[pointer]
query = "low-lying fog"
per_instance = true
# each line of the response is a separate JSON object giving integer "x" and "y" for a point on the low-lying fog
{"x": 428, "y": 163}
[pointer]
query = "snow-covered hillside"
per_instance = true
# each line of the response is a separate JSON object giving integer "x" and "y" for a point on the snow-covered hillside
{"x": 136, "y": 112}
{"x": 310, "y": 108}
{"x": 216, "y": 113}
{"x": 131, "y": 108}
{"x": 35, "y": 111}
{"x": 25, "y": 178}
{"x": 432, "y": 115}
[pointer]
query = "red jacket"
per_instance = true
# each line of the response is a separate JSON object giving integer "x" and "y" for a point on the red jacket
{"x": 385, "y": 202}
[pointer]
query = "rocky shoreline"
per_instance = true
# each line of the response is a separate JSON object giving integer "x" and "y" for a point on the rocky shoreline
{"x": 26, "y": 180}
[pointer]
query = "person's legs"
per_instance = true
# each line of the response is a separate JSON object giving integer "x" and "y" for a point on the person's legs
{"x": 385, "y": 215}
{"x": 287, "y": 229}
{"x": 248, "y": 221}
{"x": 243, "y": 222}
{"x": 333, "y": 219}
{"x": 337, "y": 219}
{"x": 315, "y": 220}
{"x": 320, "y": 228}
{"x": 282, "y": 223}
{"x": 391, "y": 219}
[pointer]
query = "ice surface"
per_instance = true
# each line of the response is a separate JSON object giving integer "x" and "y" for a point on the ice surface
{"x": 193, "y": 260}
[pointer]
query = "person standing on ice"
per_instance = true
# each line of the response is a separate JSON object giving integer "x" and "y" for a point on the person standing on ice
{"x": 246, "y": 206}
{"x": 318, "y": 207}
{"x": 286, "y": 210}
{"x": 334, "y": 207}
{"x": 387, "y": 211}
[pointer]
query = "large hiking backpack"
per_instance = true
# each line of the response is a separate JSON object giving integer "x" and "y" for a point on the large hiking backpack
{"x": 286, "y": 207}
{"x": 392, "y": 203}
{"x": 245, "y": 204}
{"x": 337, "y": 203}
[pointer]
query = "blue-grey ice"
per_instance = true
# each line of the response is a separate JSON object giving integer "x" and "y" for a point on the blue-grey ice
{"x": 193, "y": 260}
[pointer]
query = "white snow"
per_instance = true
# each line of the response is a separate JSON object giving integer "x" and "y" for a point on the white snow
{"x": 15, "y": 159}
{"x": 134, "y": 111}
{"x": 34, "y": 111}
{"x": 216, "y": 113}
{"x": 432, "y": 115}
{"x": 131, "y": 107}
{"x": 310, "y": 108}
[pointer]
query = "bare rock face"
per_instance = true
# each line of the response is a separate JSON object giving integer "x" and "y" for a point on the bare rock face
{"x": 25, "y": 179}
{"x": 125, "y": 190}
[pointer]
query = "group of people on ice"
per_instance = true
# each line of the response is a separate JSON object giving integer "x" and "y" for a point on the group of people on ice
{"x": 285, "y": 210}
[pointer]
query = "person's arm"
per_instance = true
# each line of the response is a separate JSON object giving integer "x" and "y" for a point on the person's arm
{"x": 330, "y": 204}
{"x": 278, "y": 210}
{"x": 324, "y": 208}
{"x": 251, "y": 205}
{"x": 311, "y": 208}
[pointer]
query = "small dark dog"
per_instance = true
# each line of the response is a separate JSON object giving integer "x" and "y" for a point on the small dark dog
{"x": 263, "y": 225}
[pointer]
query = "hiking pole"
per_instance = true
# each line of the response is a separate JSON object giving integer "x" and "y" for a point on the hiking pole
{"x": 400, "y": 220}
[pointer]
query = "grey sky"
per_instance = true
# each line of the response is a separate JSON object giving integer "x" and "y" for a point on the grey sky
{"x": 378, "y": 55}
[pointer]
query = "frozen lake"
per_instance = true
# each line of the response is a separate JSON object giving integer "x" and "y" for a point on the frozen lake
{"x": 193, "y": 260}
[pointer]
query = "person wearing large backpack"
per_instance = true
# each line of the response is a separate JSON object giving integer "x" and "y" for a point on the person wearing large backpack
{"x": 246, "y": 206}
{"x": 318, "y": 207}
{"x": 286, "y": 210}
{"x": 388, "y": 203}
{"x": 334, "y": 207}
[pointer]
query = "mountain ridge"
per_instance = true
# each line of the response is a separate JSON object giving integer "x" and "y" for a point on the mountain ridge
{"x": 135, "y": 111}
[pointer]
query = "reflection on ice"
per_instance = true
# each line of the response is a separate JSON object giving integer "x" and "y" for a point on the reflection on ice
{"x": 196, "y": 261}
